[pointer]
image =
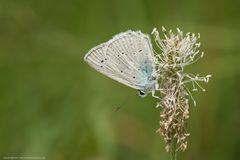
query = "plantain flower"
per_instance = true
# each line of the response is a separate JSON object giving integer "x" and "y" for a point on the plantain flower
{"x": 178, "y": 50}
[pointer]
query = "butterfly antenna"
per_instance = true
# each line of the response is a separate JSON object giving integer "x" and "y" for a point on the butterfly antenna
{"x": 117, "y": 108}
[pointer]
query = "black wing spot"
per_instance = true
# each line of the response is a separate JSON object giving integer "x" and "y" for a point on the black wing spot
{"x": 121, "y": 71}
{"x": 101, "y": 66}
{"x": 102, "y": 61}
{"x": 122, "y": 52}
{"x": 134, "y": 77}
{"x": 118, "y": 55}
{"x": 140, "y": 50}
{"x": 105, "y": 59}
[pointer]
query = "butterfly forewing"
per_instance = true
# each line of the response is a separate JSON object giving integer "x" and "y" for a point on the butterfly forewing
{"x": 127, "y": 58}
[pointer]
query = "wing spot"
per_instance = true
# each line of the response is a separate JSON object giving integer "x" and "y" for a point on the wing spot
{"x": 102, "y": 61}
{"x": 105, "y": 59}
{"x": 118, "y": 55}
{"x": 140, "y": 50}
{"x": 101, "y": 66}
{"x": 121, "y": 71}
{"x": 122, "y": 52}
{"x": 134, "y": 77}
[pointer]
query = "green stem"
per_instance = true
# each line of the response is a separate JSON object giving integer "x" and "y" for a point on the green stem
{"x": 173, "y": 150}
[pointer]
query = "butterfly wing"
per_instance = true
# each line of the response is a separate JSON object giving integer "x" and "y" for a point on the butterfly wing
{"x": 127, "y": 58}
{"x": 98, "y": 60}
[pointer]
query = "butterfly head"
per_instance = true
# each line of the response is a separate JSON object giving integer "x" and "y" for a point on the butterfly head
{"x": 150, "y": 86}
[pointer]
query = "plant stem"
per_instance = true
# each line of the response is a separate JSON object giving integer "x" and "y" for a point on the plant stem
{"x": 173, "y": 149}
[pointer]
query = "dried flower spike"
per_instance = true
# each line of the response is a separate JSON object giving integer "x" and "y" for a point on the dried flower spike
{"x": 178, "y": 51}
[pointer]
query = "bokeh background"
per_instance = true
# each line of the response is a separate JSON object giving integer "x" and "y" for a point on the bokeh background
{"x": 53, "y": 105}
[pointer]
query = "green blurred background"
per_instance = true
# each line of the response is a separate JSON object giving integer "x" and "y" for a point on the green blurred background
{"x": 53, "y": 104}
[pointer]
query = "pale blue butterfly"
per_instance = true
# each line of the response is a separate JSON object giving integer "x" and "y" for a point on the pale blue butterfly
{"x": 129, "y": 59}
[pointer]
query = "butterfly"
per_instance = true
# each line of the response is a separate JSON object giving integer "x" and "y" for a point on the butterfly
{"x": 129, "y": 59}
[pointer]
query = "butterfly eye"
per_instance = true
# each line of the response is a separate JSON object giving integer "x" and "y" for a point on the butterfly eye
{"x": 141, "y": 93}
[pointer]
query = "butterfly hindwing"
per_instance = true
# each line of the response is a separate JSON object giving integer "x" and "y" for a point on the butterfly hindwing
{"x": 98, "y": 60}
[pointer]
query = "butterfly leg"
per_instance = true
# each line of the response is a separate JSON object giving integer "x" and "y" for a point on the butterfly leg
{"x": 153, "y": 94}
{"x": 157, "y": 87}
